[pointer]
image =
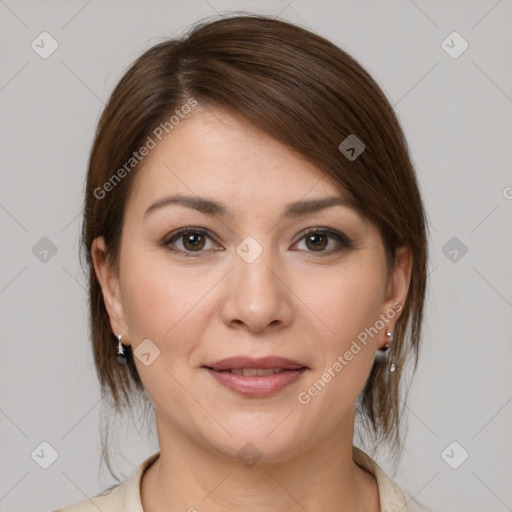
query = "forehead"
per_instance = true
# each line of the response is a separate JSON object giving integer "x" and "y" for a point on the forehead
{"x": 218, "y": 154}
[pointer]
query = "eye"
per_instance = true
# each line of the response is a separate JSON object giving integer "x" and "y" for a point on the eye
{"x": 317, "y": 240}
{"x": 191, "y": 240}
{"x": 194, "y": 241}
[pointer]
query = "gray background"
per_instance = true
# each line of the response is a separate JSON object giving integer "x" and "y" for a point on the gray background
{"x": 457, "y": 115}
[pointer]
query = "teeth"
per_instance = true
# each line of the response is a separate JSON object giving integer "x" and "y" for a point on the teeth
{"x": 250, "y": 372}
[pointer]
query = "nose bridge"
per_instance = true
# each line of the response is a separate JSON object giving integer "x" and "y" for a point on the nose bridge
{"x": 253, "y": 276}
{"x": 256, "y": 296}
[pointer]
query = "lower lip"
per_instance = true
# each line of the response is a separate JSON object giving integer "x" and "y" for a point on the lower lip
{"x": 257, "y": 386}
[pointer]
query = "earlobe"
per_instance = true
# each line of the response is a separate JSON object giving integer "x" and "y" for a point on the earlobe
{"x": 110, "y": 288}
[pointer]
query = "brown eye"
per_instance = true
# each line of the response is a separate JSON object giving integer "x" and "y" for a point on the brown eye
{"x": 316, "y": 241}
{"x": 193, "y": 242}
{"x": 325, "y": 241}
{"x": 188, "y": 241}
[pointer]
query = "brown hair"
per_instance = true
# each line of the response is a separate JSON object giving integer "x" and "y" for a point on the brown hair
{"x": 307, "y": 93}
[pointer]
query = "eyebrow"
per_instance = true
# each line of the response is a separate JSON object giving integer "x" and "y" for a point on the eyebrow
{"x": 213, "y": 208}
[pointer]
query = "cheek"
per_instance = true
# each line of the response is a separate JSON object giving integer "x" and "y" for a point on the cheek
{"x": 150, "y": 306}
{"x": 166, "y": 306}
{"x": 347, "y": 303}
{"x": 163, "y": 302}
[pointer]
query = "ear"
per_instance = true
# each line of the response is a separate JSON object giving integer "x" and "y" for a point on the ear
{"x": 398, "y": 283}
{"x": 110, "y": 288}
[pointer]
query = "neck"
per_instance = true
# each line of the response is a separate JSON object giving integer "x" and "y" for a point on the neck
{"x": 192, "y": 477}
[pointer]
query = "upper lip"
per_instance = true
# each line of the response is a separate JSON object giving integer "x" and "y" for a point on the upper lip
{"x": 241, "y": 362}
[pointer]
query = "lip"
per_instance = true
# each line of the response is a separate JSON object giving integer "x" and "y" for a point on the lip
{"x": 257, "y": 386}
{"x": 241, "y": 362}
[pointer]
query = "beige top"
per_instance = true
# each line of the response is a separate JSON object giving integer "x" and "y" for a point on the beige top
{"x": 125, "y": 497}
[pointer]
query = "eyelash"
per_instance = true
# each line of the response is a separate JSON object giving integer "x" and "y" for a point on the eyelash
{"x": 341, "y": 238}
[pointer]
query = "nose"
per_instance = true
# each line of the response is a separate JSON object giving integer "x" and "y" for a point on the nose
{"x": 257, "y": 296}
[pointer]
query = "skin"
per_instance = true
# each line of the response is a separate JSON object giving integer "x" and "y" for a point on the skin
{"x": 295, "y": 301}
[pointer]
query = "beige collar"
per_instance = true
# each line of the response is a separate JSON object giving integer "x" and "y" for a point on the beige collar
{"x": 390, "y": 496}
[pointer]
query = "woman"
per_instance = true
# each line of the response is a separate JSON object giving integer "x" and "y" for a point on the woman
{"x": 257, "y": 250}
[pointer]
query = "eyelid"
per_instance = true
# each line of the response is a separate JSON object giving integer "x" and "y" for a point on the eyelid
{"x": 340, "y": 237}
{"x": 176, "y": 235}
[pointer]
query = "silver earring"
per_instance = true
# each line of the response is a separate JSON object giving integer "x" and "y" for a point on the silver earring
{"x": 390, "y": 337}
{"x": 120, "y": 355}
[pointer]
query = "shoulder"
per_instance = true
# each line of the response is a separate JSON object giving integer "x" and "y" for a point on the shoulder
{"x": 391, "y": 497}
{"x": 111, "y": 500}
{"x": 124, "y": 497}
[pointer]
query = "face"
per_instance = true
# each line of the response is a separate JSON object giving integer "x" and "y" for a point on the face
{"x": 248, "y": 272}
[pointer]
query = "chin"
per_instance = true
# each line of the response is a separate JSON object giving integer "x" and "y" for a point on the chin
{"x": 261, "y": 440}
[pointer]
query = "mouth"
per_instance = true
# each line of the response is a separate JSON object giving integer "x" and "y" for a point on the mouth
{"x": 242, "y": 363}
{"x": 256, "y": 378}
{"x": 251, "y": 372}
